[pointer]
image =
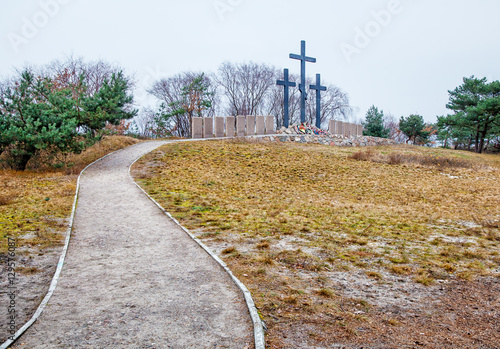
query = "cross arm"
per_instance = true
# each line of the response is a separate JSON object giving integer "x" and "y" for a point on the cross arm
{"x": 286, "y": 83}
{"x": 302, "y": 58}
{"x": 316, "y": 87}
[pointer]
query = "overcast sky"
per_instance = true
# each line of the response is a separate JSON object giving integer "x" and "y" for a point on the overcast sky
{"x": 401, "y": 56}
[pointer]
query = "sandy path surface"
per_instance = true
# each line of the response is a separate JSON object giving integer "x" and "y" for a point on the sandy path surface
{"x": 133, "y": 279}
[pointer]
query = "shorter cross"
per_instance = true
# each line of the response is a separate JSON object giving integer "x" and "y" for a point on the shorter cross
{"x": 318, "y": 89}
{"x": 287, "y": 83}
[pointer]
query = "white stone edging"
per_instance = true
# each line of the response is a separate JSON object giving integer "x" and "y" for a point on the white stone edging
{"x": 59, "y": 267}
{"x": 257, "y": 323}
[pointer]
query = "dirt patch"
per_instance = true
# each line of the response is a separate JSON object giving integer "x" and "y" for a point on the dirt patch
{"x": 34, "y": 271}
{"x": 356, "y": 308}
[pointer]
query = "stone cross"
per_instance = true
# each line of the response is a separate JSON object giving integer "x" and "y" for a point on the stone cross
{"x": 318, "y": 89}
{"x": 287, "y": 83}
{"x": 302, "y": 86}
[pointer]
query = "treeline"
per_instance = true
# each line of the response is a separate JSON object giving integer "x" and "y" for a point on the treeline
{"x": 475, "y": 121}
{"x": 60, "y": 108}
{"x": 235, "y": 89}
{"x": 67, "y": 105}
{"x": 474, "y": 124}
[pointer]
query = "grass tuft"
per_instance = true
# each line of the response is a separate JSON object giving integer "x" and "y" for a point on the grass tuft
{"x": 326, "y": 292}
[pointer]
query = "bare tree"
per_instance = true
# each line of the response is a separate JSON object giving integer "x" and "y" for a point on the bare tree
{"x": 70, "y": 70}
{"x": 392, "y": 124}
{"x": 169, "y": 91}
{"x": 246, "y": 86}
{"x": 334, "y": 105}
{"x": 143, "y": 123}
{"x": 250, "y": 89}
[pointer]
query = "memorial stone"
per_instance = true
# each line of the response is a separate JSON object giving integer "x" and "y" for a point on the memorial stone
{"x": 208, "y": 127}
{"x": 230, "y": 132}
{"x": 197, "y": 128}
{"x": 250, "y": 125}
{"x": 354, "y": 130}
{"x": 219, "y": 127}
{"x": 261, "y": 124}
{"x": 360, "y": 130}
{"x": 240, "y": 126}
{"x": 340, "y": 128}
{"x": 270, "y": 125}
{"x": 331, "y": 127}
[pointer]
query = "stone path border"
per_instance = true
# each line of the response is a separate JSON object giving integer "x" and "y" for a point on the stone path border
{"x": 254, "y": 314}
{"x": 257, "y": 323}
{"x": 59, "y": 267}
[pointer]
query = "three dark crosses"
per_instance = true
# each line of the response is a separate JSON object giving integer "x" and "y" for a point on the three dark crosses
{"x": 302, "y": 87}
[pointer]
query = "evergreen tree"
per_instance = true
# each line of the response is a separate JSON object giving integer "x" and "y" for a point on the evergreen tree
{"x": 374, "y": 123}
{"x": 36, "y": 116}
{"x": 108, "y": 105}
{"x": 476, "y": 106}
{"x": 414, "y": 128}
{"x": 38, "y": 113}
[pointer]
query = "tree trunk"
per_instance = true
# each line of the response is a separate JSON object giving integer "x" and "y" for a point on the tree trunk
{"x": 476, "y": 148}
{"x": 20, "y": 162}
{"x": 483, "y": 136}
{"x": 481, "y": 145}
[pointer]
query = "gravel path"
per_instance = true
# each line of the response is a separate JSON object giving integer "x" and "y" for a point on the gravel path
{"x": 133, "y": 279}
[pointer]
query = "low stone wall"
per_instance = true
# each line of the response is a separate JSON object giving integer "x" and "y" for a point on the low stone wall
{"x": 338, "y": 141}
{"x": 343, "y": 128}
{"x": 232, "y": 126}
{"x": 241, "y": 126}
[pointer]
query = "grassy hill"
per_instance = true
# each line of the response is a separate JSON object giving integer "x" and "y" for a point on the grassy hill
{"x": 387, "y": 246}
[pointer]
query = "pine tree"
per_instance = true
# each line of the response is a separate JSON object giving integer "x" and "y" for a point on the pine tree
{"x": 374, "y": 123}
{"x": 476, "y": 106}
{"x": 38, "y": 113}
{"x": 414, "y": 128}
{"x": 36, "y": 116}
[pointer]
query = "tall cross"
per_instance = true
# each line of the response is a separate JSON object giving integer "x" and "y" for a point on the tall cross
{"x": 287, "y": 83}
{"x": 302, "y": 87}
{"x": 318, "y": 89}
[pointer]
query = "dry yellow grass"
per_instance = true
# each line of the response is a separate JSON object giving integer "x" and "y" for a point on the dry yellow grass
{"x": 292, "y": 214}
{"x": 397, "y": 214}
{"x": 35, "y": 205}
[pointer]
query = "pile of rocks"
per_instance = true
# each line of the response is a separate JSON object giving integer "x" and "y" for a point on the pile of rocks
{"x": 304, "y": 129}
{"x": 305, "y": 133}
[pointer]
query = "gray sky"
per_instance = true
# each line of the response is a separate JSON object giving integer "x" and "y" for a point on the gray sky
{"x": 402, "y": 56}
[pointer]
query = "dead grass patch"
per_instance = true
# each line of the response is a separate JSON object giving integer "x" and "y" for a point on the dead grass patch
{"x": 326, "y": 292}
{"x": 437, "y": 159}
{"x": 27, "y": 270}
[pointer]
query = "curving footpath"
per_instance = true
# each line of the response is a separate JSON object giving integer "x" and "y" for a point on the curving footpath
{"x": 133, "y": 278}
